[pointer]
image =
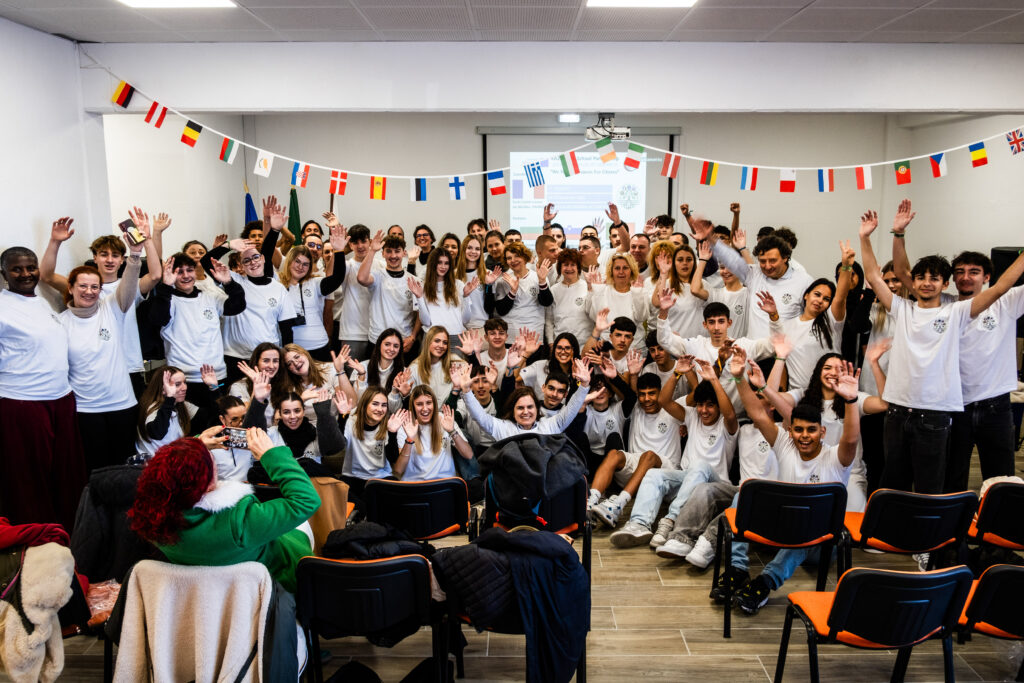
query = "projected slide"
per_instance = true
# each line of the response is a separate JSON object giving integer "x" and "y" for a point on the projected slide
{"x": 579, "y": 199}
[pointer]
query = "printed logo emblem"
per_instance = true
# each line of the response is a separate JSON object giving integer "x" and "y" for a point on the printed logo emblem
{"x": 609, "y": 424}
{"x": 208, "y": 313}
{"x": 307, "y": 292}
{"x": 104, "y": 334}
{"x": 939, "y": 325}
{"x": 989, "y": 322}
{"x": 738, "y": 310}
{"x": 533, "y": 291}
{"x": 579, "y": 301}
{"x": 787, "y": 298}
{"x": 271, "y": 301}
{"x": 815, "y": 479}
{"x": 762, "y": 446}
{"x": 378, "y": 449}
{"x": 712, "y": 438}
{"x": 662, "y": 427}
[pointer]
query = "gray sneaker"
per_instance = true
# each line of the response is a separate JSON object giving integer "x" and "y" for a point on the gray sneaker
{"x": 674, "y": 550}
{"x": 702, "y": 554}
{"x": 665, "y": 526}
{"x": 631, "y": 535}
{"x": 608, "y": 511}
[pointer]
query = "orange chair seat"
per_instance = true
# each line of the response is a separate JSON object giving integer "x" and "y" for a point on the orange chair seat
{"x": 972, "y": 533}
{"x": 818, "y": 605}
{"x": 982, "y": 627}
{"x": 730, "y": 516}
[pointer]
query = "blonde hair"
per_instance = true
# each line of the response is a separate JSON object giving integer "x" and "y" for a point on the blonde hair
{"x": 423, "y": 362}
{"x": 285, "y": 273}
{"x": 317, "y": 377}
{"x": 663, "y": 247}
{"x": 460, "y": 270}
{"x": 435, "y": 420}
{"x": 621, "y": 256}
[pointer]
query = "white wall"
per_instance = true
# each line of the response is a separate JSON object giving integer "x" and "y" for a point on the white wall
{"x": 53, "y": 151}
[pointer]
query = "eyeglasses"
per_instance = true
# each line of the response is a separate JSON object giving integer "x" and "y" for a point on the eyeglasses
{"x": 251, "y": 259}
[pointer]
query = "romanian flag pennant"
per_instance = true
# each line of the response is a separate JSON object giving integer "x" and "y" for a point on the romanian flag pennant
{"x": 748, "y": 178}
{"x": 670, "y": 165}
{"x": 418, "y": 189}
{"x": 339, "y": 179}
{"x": 902, "y": 172}
{"x": 979, "y": 157}
{"x": 123, "y": 94}
{"x": 1015, "y": 139}
{"x": 939, "y": 167}
{"x": 229, "y": 150}
{"x": 570, "y": 166}
{"x": 156, "y": 114}
{"x": 863, "y": 175}
{"x": 605, "y": 149}
{"x": 633, "y": 154}
{"x": 826, "y": 180}
{"x": 496, "y": 183}
{"x": 378, "y": 186}
{"x": 708, "y": 173}
{"x": 787, "y": 180}
{"x": 300, "y": 174}
{"x": 191, "y": 133}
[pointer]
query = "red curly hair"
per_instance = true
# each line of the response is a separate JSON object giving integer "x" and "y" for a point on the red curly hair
{"x": 173, "y": 482}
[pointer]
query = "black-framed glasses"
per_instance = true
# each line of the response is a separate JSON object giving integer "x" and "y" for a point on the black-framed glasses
{"x": 251, "y": 259}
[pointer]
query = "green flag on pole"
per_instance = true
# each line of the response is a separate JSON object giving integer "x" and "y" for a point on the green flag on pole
{"x": 294, "y": 222}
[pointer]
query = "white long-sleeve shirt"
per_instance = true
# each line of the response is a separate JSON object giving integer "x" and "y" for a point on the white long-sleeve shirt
{"x": 502, "y": 429}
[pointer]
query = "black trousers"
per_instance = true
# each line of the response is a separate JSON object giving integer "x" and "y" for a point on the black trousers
{"x": 108, "y": 438}
{"x": 987, "y": 424}
{"x": 916, "y": 448}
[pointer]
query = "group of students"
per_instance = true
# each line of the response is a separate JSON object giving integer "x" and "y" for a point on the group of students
{"x": 661, "y": 361}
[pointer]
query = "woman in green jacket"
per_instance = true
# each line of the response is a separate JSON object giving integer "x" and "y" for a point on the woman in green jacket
{"x": 194, "y": 519}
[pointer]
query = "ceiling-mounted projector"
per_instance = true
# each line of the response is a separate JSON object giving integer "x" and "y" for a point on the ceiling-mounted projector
{"x": 606, "y": 128}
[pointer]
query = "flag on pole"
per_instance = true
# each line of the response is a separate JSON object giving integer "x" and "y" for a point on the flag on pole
{"x": 300, "y": 174}
{"x": 605, "y": 149}
{"x": 294, "y": 222}
{"x": 456, "y": 188}
{"x": 939, "y": 168}
{"x": 264, "y": 162}
{"x": 570, "y": 166}
{"x": 418, "y": 189}
{"x": 787, "y": 180}
{"x": 863, "y": 174}
{"x": 534, "y": 174}
{"x": 123, "y": 94}
{"x": 229, "y": 150}
{"x": 339, "y": 181}
{"x": 633, "y": 154}
{"x": 496, "y": 183}
{"x": 748, "y": 178}
{"x": 670, "y": 165}
{"x": 378, "y": 187}
{"x": 709, "y": 173}
{"x": 826, "y": 180}
{"x": 1015, "y": 139}
{"x": 191, "y": 133}
{"x": 250, "y": 207}
{"x": 979, "y": 157}
{"x": 902, "y": 172}
{"x": 156, "y": 114}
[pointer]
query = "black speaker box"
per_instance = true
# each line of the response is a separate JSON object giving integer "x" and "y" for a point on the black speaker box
{"x": 1002, "y": 257}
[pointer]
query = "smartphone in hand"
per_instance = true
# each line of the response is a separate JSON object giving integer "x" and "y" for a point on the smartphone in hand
{"x": 236, "y": 437}
{"x": 131, "y": 232}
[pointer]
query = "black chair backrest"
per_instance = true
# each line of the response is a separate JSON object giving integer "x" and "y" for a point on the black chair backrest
{"x": 917, "y": 522}
{"x": 356, "y": 597}
{"x": 997, "y": 599}
{"x": 1002, "y": 510}
{"x": 426, "y": 509}
{"x": 781, "y": 513}
{"x": 895, "y": 608}
{"x": 565, "y": 513}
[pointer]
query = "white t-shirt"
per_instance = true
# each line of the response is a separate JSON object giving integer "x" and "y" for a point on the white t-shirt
{"x": 425, "y": 464}
{"x": 568, "y": 313}
{"x": 794, "y": 469}
{"x": 926, "y": 354}
{"x": 632, "y": 304}
{"x": 867, "y": 377}
{"x": 711, "y": 444}
{"x": 686, "y": 317}
{"x": 391, "y": 304}
{"x": 436, "y": 381}
{"x": 474, "y": 315}
{"x": 364, "y": 458}
{"x": 757, "y": 459}
{"x": 240, "y": 390}
{"x": 600, "y": 425}
{"x": 98, "y": 372}
{"x": 682, "y": 386}
{"x": 192, "y": 336}
{"x": 738, "y": 303}
{"x": 442, "y": 313}
{"x": 501, "y": 365}
{"x": 265, "y": 306}
{"x": 656, "y": 432}
{"x": 352, "y": 306}
{"x": 130, "y": 330}
{"x": 33, "y": 349}
{"x": 534, "y": 375}
{"x": 526, "y": 310}
{"x": 475, "y": 434}
{"x": 807, "y": 348}
{"x": 312, "y": 335}
{"x": 988, "y": 349}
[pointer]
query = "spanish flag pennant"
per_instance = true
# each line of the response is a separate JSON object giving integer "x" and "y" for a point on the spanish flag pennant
{"x": 123, "y": 95}
{"x": 378, "y": 186}
{"x": 191, "y": 133}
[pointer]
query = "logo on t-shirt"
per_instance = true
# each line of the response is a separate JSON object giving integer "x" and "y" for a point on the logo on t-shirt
{"x": 738, "y": 310}
{"x": 609, "y": 424}
{"x": 815, "y": 479}
{"x": 446, "y": 442}
{"x": 208, "y": 313}
{"x": 533, "y": 291}
{"x": 787, "y": 298}
{"x": 762, "y": 446}
{"x": 940, "y": 325}
{"x": 307, "y": 292}
{"x": 988, "y": 322}
{"x": 271, "y": 301}
{"x": 378, "y": 449}
{"x": 578, "y": 301}
{"x": 662, "y": 427}
{"x": 712, "y": 438}
{"x": 104, "y": 334}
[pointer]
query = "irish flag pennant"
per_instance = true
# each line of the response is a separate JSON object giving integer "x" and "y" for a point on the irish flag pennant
{"x": 228, "y": 150}
{"x": 708, "y": 173}
{"x": 339, "y": 180}
{"x": 787, "y": 180}
{"x": 670, "y": 165}
{"x": 605, "y": 148}
{"x": 633, "y": 154}
{"x": 570, "y": 166}
{"x": 748, "y": 178}
{"x": 863, "y": 174}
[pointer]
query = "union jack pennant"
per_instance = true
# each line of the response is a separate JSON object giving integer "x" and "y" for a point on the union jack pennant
{"x": 1015, "y": 138}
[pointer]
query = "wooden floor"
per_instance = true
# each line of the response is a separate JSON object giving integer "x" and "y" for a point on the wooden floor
{"x": 652, "y": 618}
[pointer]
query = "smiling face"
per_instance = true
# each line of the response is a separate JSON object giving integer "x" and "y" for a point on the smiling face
{"x": 296, "y": 363}
{"x": 772, "y": 264}
{"x": 524, "y": 412}
{"x": 233, "y": 417}
{"x": 438, "y": 347}
{"x": 969, "y": 279}
{"x": 473, "y": 251}
{"x": 481, "y": 388}
{"x": 496, "y": 338}
{"x": 376, "y": 410}
{"x": 423, "y": 408}
{"x": 928, "y": 287}
{"x": 495, "y": 247}
{"x": 563, "y": 351}
{"x": 515, "y": 262}
{"x": 180, "y": 387}
{"x": 727, "y": 275}
{"x": 658, "y": 354}
{"x": 85, "y": 290}
{"x": 451, "y": 245}
{"x": 817, "y": 300}
{"x": 390, "y": 347}
{"x": 444, "y": 264}
{"x": 891, "y": 281}
{"x": 195, "y": 252}
{"x": 299, "y": 268}
{"x": 269, "y": 362}
{"x": 708, "y": 412}
{"x": 393, "y": 258}
{"x": 648, "y": 400}
{"x": 185, "y": 278}
{"x": 807, "y": 436}
{"x": 639, "y": 247}
{"x": 360, "y": 248}
{"x": 252, "y": 263}
{"x": 108, "y": 262}
{"x": 422, "y": 239}
{"x": 292, "y": 414}
{"x": 315, "y": 246}
{"x": 830, "y": 373}
{"x": 622, "y": 274}
{"x": 570, "y": 273}
{"x": 554, "y": 393}
{"x": 478, "y": 230}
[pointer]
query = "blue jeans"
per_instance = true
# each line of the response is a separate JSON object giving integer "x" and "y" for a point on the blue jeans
{"x": 658, "y": 483}
{"x": 781, "y": 567}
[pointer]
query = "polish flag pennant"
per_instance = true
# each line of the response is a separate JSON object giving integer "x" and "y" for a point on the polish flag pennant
{"x": 787, "y": 180}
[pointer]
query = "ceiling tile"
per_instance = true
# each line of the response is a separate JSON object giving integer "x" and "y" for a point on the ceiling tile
{"x": 987, "y": 37}
{"x": 1008, "y": 25}
{"x": 722, "y": 36}
{"x": 958, "y": 20}
{"x": 524, "y": 17}
{"x": 607, "y": 18}
{"x": 753, "y": 4}
{"x": 910, "y": 36}
{"x": 407, "y": 3}
{"x": 205, "y": 19}
{"x": 328, "y": 36}
{"x": 621, "y": 35}
{"x": 522, "y": 35}
{"x": 311, "y": 18}
{"x": 428, "y": 36}
{"x": 841, "y": 19}
{"x": 977, "y": 4}
{"x": 735, "y": 19}
{"x": 232, "y": 36}
{"x": 530, "y": 3}
{"x": 418, "y": 18}
{"x": 858, "y": 4}
{"x": 83, "y": 20}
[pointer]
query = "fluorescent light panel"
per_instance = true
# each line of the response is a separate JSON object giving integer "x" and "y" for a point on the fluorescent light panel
{"x": 641, "y": 3}
{"x": 568, "y": 118}
{"x": 178, "y": 4}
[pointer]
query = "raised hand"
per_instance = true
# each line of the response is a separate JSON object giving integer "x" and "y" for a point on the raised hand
{"x": 357, "y": 366}
{"x": 595, "y": 395}
{"x": 514, "y": 355}
{"x": 651, "y": 227}
{"x": 473, "y": 283}
{"x": 323, "y": 394}
{"x": 447, "y": 418}
{"x": 734, "y": 207}
{"x": 278, "y": 218}
{"x": 701, "y": 229}
{"x": 342, "y": 402}
{"x": 847, "y": 254}
{"x": 415, "y": 286}
{"x": 403, "y": 382}
{"x": 684, "y": 363}
{"x": 847, "y": 383}
{"x": 903, "y": 217}
{"x": 396, "y": 420}
{"x": 705, "y": 370}
{"x": 725, "y": 350}
{"x": 685, "y": 210}
{"x": 868, "y": 223}
{"x": 782, "y": 345}
{"x": 221, "y": 273}
{"x": 531, "y": 342}
{"x": 875, "y": 351}
{"x": 238, "y": 244}
{"x": 377, "y": 243}
{"x": 664, "y": 263}
{"x": 220, "y": 239}
{"x": 492, "y": 275}
{"x": 755, "y": 374}
{"x": 766, "y": 302}
{"x": 269, "y": 205}
{"x": 549, "y": 213}
{"x": 61, "y": 230}
{"x": 161, "y": 222}
{"x": 213, "y": 437}
{"x": 491, "y": 373}
{"x": 593, "y": 276}
{"x": 412, "y": 253}
{"x": 261, "y": 387}
{"x": 311, "y": 394}
{"x": 512, "y": 281}
{"x": 739, "y": 241}
{"x": 460, "y": 375}
{"x": 739, "y": 357}
{"x": 331, "y": 219}
{"x": 247, "y": 370}
{"x": 666, "y": 299}
{"x": 634, "y": 362}
{"x": 598, "y": 223}
{"x": 168, "y": 276}
{"x": 339, "y": 237}
{"x": 470, "y": 342}
{"x": 340, "y": 359}
{"x": 581, "y": 372}
{"x": 602, "y": 323}
{"x": 208, "y": 375}
{"x": 494, "y": 224}
{"x": 169, "y": 389}
{"x": 542, "y": 270}
{"x": 613, "y": 213}
{"x": 410, "y": 426}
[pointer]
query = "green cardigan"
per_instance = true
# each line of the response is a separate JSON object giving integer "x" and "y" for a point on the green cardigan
{"x": 229, "y": 525}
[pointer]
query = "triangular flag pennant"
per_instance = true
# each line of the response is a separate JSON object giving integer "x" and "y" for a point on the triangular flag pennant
{"x": 570, "y": 166}
{"x": 456, "y": 188}
{"x": 418, "y": 189}
{"x": 633, "y": 155}
{"x": 979, "y": 157}
{"x": 939, "y": 167}
{"x": 191, "y": 133}
{"x": 902, "y": 172}
{"x": 1015, "y": 139}
{"x": 748, "y": 178}
{"x": 605, "y": 148}
{"x": 826, "y": 180}
{"x": 228, "y": 150}
{"x": 264, "y": 162}
{"x": 378, "y": 187}
{"x": 496, "y": 183}
{"x": 863, "y": 174}
{"x": 123, "y": 94}
{"x": 300, "y": 174}
{"x": 670, "y": 165}
{"x": 787, "y": 180}
{"x": 708, "y": 173}
{"x": 339, "y": 181}
{"x": 156, "y": 114}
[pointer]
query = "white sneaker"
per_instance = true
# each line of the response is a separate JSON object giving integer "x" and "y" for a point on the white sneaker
{"x": 592, "y": 501}
{"x": 702, "y": 554}
{"x": 608, "y": 511}
{"x": 631, "y": 535}
{"x": 665, "y": 526}
{"x": 673, "y": 549}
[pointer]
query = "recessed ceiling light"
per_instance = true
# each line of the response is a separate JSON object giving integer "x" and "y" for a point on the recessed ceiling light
{"x": 178, "y": 4}
{"x": 568, "y": 118}
{"x": 641, "y": 3}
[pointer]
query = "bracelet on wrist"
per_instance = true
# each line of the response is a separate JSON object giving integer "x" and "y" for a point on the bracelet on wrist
{"x": 703, "y": 260}
{"x": 897, "y": 234}
{"x": 846, "y": 269}
{"x": 742, "y": 249}
{"x": 760, "y": 389}
{"x": 782, "y": 358}
{"x": 850, "y": 400}
{"x": 678, "y": 374}
{"x": 410, "y": 441}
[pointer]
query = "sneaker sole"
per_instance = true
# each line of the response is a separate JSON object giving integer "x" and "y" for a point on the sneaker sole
{"x": 662, "y": 552}
{"x": 609, "y": 522}
{"x": 755, "y": 610}
{"x": 624, "y": 540}
{"x": 698, "y": 561}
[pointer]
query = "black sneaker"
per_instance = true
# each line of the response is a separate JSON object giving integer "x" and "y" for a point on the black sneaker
{"x": 752, "y": 597}
{"x": 735, "y": 577}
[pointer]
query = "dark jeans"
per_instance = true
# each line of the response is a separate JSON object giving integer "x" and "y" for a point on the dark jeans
{"x": 872, "y": 437}
{"x": 987, "y": 424}
{"x": 916, "y": 444}
{"x": 108, "y": 438}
